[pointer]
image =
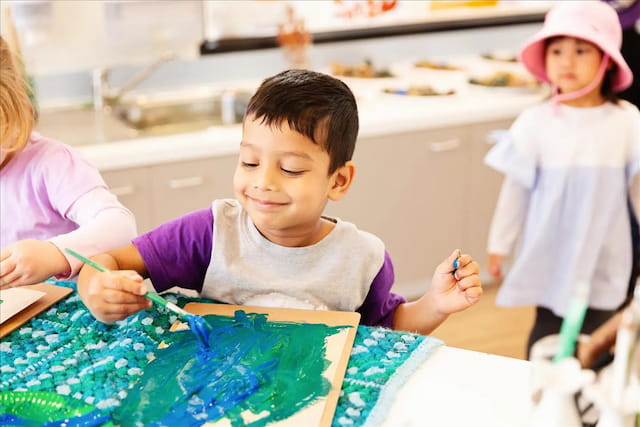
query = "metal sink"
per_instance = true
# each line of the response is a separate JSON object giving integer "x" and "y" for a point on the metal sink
{"x": 169, "y": 114}
{"x": 136, "y": 116}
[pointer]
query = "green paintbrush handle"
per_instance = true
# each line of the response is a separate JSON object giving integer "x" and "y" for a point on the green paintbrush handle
{"x": 151, "y": 295}
{"x": 163, "y": 302}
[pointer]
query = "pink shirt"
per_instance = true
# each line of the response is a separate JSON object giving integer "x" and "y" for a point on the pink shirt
{"x": 49, "y": 192}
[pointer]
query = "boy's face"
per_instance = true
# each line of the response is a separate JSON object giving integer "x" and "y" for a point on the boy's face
{"x": 572, "y": 63}
{"x": 282, "y": 181}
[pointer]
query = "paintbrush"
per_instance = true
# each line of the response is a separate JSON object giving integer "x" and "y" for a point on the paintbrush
{"x": 196, "y": 323}
{"x": 572, "y": 322}
{"x": 151, "y": 295}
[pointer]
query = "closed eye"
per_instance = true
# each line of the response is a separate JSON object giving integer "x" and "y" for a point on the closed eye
{"x": 293, "y": 173}
{"x": 249, "y": 165}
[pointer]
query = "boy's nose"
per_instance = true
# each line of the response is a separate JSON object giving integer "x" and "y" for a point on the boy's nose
{"x": 265, "y": 179}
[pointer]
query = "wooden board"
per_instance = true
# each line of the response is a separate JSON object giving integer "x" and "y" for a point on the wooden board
{"x": 338, "y": 349}
{"x": 53, "y": 295}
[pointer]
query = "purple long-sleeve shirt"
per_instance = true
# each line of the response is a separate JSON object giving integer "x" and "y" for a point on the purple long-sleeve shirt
{"x": 178, "y": 254}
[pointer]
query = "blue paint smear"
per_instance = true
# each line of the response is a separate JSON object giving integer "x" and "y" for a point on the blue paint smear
{"x": 199, "y": 326}
{"x": 92, "y": 419}
{"x": 273, "y": 369}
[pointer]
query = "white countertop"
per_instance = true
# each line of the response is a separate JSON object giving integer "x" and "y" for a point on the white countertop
{"x": 380, "y": 114}
{"x": 460, "y": 388}
{"x": 380, "y": 118}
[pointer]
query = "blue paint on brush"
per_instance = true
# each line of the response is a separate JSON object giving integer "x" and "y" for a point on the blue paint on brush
{"x": 197, "y": 323}
{"x": 200, "y": 328}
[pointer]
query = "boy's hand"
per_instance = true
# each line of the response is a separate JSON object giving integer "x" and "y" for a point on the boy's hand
{"x": 115, "y": 295}
{"x": 494, "y": 265}
{"x": 455, "y": 289}
{"x": 30, "y": 261}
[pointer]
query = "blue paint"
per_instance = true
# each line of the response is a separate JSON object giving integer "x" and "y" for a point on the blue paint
{"x": 200, "y": 328}
{"x": 273, "y": 369}
{"x": 93, "y": 418}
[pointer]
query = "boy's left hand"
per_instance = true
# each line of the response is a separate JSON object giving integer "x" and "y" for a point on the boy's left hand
{"x": 455, "y": 289}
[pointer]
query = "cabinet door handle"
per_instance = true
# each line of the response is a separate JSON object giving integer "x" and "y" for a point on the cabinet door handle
{"x": 192, "y": 181}
{"x": 446, "y": 145}
{"x": 125, "y": 190}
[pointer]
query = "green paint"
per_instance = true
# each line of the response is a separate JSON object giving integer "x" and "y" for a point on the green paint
{"x": 273, "y": 369}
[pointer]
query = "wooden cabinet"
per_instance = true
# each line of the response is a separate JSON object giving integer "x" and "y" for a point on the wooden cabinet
{"x": 424, "y": 194}
{"x": 133, "y": 188}
{"x": 409, "y": 191}
{"x": 157, "y": 194}
{"x": 484, "y": 188}
{"x": 180, "y": 188}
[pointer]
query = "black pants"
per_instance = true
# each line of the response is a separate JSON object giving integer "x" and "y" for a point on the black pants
{"x": 635, "y": 267}
{"x": 547, "y": 323}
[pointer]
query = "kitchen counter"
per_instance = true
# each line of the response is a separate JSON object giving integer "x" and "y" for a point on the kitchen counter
{"x": 380, "y": 114}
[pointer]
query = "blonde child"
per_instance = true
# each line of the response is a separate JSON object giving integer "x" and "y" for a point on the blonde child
{"x": 571, "y": 166}
{"x": 50, "y": 198}
{"x": 272, "y": 246}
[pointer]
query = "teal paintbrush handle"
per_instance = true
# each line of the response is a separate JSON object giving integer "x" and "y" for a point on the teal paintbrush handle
{"x": 151, "y": 295}
{"x": 87, "y": 261}
{"x": 163, "y": 302}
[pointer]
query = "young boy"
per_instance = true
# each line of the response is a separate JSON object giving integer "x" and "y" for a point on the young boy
{"x": 271, "y": 246}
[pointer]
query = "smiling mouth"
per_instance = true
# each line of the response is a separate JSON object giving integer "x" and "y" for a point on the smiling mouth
{"x": 265, "y": 203}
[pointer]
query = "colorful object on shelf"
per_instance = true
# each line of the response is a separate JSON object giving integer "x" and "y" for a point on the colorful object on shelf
{"x": 450, "y": 4}
{"x": 294, "y": 39}
{"x": 418, "y": 91}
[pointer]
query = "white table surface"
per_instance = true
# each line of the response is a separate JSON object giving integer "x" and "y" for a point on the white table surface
{"x": 456, "y": 387}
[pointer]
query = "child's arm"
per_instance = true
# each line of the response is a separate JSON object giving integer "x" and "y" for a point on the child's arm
{"x": 600, "y": 341}
{"x": 103, "y": 224}
{"x": 30, "y": 261}
{"x": 449, "y": 293}
{"x": 118, "y": 294}
{"x": 634, "y": 195}
{"x": 506, "y": 225}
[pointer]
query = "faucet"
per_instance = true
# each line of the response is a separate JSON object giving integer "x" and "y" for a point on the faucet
{"x": 105, "y": 95}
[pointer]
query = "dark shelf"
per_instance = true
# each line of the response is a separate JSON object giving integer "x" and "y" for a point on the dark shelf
{"x": 251, "y": 43}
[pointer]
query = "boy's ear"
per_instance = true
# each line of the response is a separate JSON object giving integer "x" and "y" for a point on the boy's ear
{"x": 341, "y": 181}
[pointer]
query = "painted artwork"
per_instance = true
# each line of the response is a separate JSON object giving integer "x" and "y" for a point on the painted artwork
{"x": 255, "y": 371}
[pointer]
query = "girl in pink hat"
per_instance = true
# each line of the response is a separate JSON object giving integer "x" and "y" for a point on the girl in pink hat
{"x": 571, "y": 166}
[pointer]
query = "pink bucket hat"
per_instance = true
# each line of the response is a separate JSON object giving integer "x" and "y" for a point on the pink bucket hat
{"x": 593, "y": 21}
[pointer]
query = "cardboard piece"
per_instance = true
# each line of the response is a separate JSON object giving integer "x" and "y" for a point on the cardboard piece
{"x": 52, "y": 294}
{"x": 14, "y": 300}
{"x": 338, "y": 349}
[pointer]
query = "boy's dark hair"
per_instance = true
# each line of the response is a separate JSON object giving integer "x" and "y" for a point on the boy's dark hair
{"x": 319, "y": 106}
